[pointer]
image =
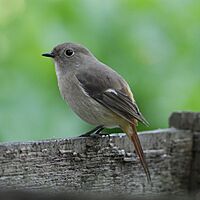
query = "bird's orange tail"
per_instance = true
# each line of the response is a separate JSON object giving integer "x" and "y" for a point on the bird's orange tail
{"x": 132, "y": 134}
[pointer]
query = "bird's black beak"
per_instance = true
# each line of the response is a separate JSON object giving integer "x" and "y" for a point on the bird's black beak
{"x": 51, "y": 55}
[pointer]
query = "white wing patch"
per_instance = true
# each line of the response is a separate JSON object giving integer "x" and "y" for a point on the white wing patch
{"x": 83, "y": 90}
{"x": 112, "y": 91}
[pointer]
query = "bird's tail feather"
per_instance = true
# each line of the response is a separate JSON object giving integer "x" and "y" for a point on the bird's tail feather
{"x": 132, "y": 134}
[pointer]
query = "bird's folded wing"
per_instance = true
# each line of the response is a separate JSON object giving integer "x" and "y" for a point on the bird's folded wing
{"x": 114, "y": 99}
{"x": 121, "y": 104}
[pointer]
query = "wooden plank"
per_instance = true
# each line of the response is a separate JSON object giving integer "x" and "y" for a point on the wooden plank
{"x": 185, "y": 120}
{"x": 99, "y": 164}
{"x": 190, "y": 121}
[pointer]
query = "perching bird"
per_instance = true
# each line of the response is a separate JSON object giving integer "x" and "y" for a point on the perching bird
{"x": 97, "y": 93}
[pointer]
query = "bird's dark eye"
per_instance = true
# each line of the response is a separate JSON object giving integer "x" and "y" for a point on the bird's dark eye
{"x": 69, "y": 52}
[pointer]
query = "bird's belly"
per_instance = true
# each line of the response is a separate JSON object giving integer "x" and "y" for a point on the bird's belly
{"x": 87, "y": 108}
{"x": 91, "y": 111}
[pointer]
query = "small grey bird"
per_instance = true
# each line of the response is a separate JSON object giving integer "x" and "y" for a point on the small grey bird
{"x": 97, "y": 93}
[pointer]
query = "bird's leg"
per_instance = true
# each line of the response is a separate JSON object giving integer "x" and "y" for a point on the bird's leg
{"x": 99, "y": 133}
{"x": 94, "y": 131}
{"x": 104, "y": 134}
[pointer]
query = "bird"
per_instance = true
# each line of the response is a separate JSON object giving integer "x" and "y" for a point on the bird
{"x": 97, "y": 93}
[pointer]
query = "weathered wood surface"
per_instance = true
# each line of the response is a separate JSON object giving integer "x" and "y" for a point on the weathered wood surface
{"x": 103, "y": 164}
{"x": 185, "y": 120}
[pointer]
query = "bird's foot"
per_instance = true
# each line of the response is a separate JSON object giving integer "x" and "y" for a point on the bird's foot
{"x": 100, "y": 134}
{"x": 104, "y": 134}
{"x": 94, "y": 132}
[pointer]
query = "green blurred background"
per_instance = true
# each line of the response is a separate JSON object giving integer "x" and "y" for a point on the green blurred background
{"x": 154, "y": 44}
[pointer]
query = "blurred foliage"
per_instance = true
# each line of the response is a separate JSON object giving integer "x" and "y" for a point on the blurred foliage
{"x": 153, "y": 44}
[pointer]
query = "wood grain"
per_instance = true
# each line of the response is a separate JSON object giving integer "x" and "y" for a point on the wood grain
{"x": 99, "y": 164}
